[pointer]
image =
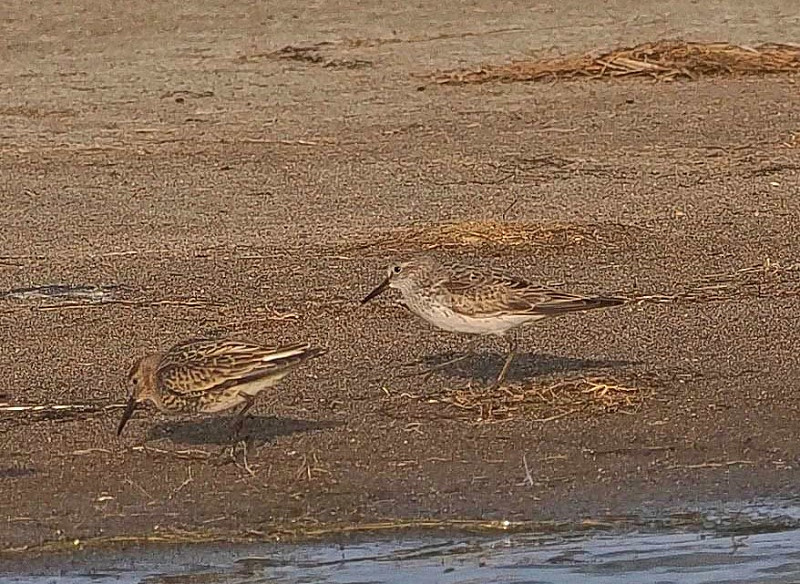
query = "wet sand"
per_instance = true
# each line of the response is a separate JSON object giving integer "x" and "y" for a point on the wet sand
{"x": 221, "y": 188}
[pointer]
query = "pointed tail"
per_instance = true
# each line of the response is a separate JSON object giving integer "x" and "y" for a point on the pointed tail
{"x": 290, "y": 354}
{"x": 578, "y": 303}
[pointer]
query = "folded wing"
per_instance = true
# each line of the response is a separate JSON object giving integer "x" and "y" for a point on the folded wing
{"x": 486, "y": 292}
{"x": 204, "y": 365}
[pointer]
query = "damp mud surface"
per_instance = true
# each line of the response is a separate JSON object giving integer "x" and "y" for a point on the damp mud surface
{"x": 182, "y": 170}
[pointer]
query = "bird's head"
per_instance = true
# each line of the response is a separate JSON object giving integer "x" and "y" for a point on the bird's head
{"x": 401, "y": 275}
{"x": 140, "y": 385}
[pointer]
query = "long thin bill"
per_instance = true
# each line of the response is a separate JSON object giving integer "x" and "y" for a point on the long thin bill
{"x": 127, "y": 415}
{"x": 380, "y": 288}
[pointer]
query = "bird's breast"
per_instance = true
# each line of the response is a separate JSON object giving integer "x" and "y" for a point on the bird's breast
{"x": 175, "y": 404}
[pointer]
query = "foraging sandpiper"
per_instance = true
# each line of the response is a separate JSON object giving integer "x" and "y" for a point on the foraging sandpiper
{"x": 479, "y": 300}
{"x": 207, "y": 376}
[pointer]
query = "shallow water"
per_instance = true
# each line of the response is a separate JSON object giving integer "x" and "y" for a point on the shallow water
{"x": 755, "y": 545}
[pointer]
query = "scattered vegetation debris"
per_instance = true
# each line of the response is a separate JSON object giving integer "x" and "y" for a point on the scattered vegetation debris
{"x": 767, "y": 279}
{"x": 664, "y": 60}
{"x": 586, "y": 396}
{"x": 308, "y": 54}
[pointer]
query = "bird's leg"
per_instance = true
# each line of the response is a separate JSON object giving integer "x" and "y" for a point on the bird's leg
{"x": 431, "y": 370}
{"x": 228, "y": 452}
{"x": 512, "y": 347}
{"x": 249, "y": 400}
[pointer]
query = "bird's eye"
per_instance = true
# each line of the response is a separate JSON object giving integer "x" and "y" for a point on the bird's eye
{"x": 397, "y": 269}
{"x": 135, "y": 380}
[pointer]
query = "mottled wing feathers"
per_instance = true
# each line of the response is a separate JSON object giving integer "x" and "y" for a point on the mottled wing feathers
{"x": 203, "y": 365}
{"x": 487, "y": 292}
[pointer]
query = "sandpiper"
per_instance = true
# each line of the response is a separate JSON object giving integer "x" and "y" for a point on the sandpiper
{"x": 479, "y": 300}
{"x": 208, "y": 376}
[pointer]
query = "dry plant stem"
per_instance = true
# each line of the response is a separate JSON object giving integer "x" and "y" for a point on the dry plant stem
{"x": 59, "y": 407}
{"x": 711, "y": 464}
{"x": 190, "y": 454}
{"x": 528, "y": 477}
{"x": 245, "y": 463}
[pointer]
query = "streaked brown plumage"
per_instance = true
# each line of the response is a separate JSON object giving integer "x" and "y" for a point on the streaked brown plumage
{"x": 478, "y": 299}
{"x": 210, "y": 375}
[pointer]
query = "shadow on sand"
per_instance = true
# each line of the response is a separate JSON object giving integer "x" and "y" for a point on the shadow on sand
{"x": 220, "y": 429}
{"x": 486, "y": 366}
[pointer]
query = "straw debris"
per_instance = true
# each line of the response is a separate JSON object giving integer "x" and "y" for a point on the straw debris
{"x": 663, "y": 60}
{"x": 586, "y": 396}
{"x": 768, "y": 279}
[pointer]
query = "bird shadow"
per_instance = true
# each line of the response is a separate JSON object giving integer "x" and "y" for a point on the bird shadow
{"x": 486, "y": 366}
{"x": 220, "y": 430}
{"x": 16, "y": 472}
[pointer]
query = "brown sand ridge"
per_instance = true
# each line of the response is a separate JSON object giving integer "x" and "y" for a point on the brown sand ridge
{"x": 482, "y": 234}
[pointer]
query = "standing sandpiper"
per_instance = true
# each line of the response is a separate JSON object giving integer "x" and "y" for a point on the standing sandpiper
{"x": 479, "y": 300}
{"x": 207, "y": 376}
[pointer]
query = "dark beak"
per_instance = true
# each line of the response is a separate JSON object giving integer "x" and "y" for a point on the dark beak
{"x": 380, "y": 288}
{"x": 127, "y": 415}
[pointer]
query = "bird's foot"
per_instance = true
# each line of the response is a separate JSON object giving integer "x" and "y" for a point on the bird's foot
{"x": 497, "y": 383}
{"x": 228, "y": 455}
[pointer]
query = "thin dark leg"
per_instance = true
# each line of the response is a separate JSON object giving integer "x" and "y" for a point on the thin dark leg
{"x": 228, "y": 453}
{"x": 512, "y": 349}
{"x": 239, "y": 423}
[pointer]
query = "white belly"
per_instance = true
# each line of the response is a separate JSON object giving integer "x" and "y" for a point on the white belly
{"x": 446, "y": 319}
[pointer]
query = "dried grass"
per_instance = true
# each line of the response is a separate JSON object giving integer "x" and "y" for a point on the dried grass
{"x": 542, "y": 403}
{"x": 663, "y": 60}
{"x": 768, "y": 279}
{"x": 474, "y": 234}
